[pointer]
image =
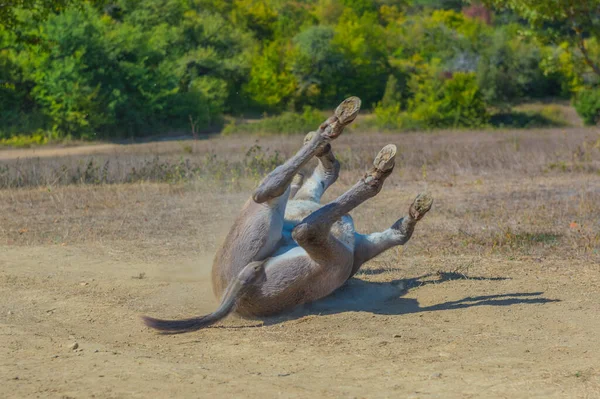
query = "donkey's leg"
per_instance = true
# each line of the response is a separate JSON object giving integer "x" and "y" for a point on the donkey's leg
{"x": 324, "y": 262}
{"x": 257, "y": 231}
{"x": 324, "y": 175}
{"x": 296, "y": 184}
{"x": 313, "y": 233}
{"x": 277, "y": 182}
{"x": 369, "y": 246}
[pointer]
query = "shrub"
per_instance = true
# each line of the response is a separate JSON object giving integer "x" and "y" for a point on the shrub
{"x": 509, "y": 70}
{"x": 271, "y": 84}
{"x": 388, "y": 117}
{"x": 286, "y": 123}
{"x": 149, "y": 68}
{"x": 319, "y": 66}
{"x": 22, "y": 141}
{"x": 392, "y": 94}
{"x": 587, "y": 104}
{"x": 134, "y": 68}
{"x": 547, "y": 116}
{"x": 453, "y": 102}
{"x": 437, "y": 102}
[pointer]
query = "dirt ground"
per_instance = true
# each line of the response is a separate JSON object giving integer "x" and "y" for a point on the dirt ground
{"x": 497, "y": 295}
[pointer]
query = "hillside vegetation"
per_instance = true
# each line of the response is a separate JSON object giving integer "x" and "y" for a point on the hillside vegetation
{"x": 124, "y": 68}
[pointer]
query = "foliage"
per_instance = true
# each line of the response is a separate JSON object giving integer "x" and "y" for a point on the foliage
{"x": 361, "y": 39}
{"x": 566, "y": 65}
{"x": 389, "y": 117}
{"x": 39, "y": 9}
{"x": 271, "y": 85}
{"x": 453, "y": 102}
{"x": 437, "y": 102}
{"x": 393, "y": 92}
{"x": 560, "y": 21}
{"x": 159, "y": 66}
{"x": 546, "y": 116}
{"x": 258, "y": 16}
{"x": 96, "y": 69}
{"x": 25, "y": 141}
{"x": 587, "y": 104}
{"x": 510, "y": 70}
{"x": 286, "y": 123}
{"x": 318, "y": 65}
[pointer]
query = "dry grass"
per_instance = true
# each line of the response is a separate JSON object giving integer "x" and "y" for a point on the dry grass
{"x": 440, "y": 156}
{"x": 515, "y": 193}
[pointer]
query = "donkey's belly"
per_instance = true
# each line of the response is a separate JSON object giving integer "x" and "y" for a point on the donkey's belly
{"x": 296, "y": 211}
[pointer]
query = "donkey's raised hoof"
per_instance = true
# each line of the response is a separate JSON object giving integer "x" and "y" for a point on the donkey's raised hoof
{"x": 382, "y": 167}
{"x": 344, "y": 114}
{"x": 386, "y": 159}
{"x": 420, "y": 206}
{"x": 348, "y": 110}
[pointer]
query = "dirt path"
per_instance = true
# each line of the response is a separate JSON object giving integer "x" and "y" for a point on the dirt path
{"x": 43, "y": 152}
{"x": 519, "y": 329}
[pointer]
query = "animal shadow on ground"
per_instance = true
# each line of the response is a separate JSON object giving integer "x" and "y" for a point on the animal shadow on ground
{"x": 385, "y": 298}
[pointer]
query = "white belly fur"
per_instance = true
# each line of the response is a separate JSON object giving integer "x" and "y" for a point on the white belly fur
{"x": 295, "y": 211}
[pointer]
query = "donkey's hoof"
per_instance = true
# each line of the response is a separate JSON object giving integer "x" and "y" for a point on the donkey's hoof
{"x": 346, "y": 112}
{"x": 420, "y": 206}
{"x": 385, "y": 160}
{"x": 309, "y": 137}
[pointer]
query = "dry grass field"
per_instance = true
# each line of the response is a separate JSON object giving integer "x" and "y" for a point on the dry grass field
{"x": 497, "y": 295}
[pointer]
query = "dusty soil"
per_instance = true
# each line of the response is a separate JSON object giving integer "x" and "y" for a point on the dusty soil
{"x": 497, "y": 295}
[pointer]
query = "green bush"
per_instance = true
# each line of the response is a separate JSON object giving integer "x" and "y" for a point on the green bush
{"x": 25, "y": 141}
{"x": 436, "y": 102}
{"x": 286, "y": 123}
{"x": 388, "y": 117}
{"x": 123, "y": 78}
{"x": 271, "y": 84}
{"x": 527, "y": 119}
{"x": 154, "y": 65}
{"x": 587, "y": 104}
{"x": 392, "y": 95}
{"x": 319, "y": 66}
{"x": 509, "y": 70}
{"x": 453, "y": 102}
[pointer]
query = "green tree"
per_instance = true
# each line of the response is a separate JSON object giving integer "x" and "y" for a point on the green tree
{"x": 509, "y": 70}
{"x": 258, "y": 16}
{"x": 442, "y": 101}
{"x": 362, "y": 42}
{"x": 272, "y": 85}
{"x": 319, "y": 66}
{"x": 558, "y": 21}
{"x": 393, "y": 92}
{"x": 158, "y": 64}
{"x": 38, "y": 9}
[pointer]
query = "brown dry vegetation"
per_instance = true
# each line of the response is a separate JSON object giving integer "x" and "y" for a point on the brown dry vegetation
{"x": 496, "y": 295}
